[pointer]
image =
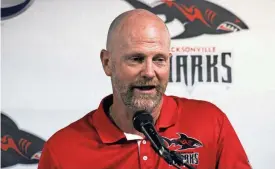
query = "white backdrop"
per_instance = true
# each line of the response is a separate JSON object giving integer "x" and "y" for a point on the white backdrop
{"x": 52, "y": 75}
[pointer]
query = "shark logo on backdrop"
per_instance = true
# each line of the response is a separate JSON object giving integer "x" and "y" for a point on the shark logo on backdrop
{"x": 192, "y": 65}
{"x": 18, "y": 146}
{"x": 197, "y": 17}
{"x": 184, "y": 142}
{"x": 12, "y": 8}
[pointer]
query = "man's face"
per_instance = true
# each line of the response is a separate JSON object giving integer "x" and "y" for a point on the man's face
{"x": 140, "y": 68}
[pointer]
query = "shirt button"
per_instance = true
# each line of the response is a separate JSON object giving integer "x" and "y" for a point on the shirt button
{"x": 144, "y": 141}
{"x": 145, "y": 158}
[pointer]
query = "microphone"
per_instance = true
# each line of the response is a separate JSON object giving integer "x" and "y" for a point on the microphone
{"x": 143, "y": 122}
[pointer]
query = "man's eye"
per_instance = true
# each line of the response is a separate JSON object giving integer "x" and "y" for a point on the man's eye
{"x": 160, "y": 59}
{"x": 137, "y": 59}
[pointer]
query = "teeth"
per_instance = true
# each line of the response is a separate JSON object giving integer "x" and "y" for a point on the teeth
{"x": 228, "y": 26}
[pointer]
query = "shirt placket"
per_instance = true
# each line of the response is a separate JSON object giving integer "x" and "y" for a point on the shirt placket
{"x": 146, "y": 155}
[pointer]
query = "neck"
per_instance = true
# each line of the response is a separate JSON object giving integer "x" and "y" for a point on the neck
{"x": 122, "y": 116}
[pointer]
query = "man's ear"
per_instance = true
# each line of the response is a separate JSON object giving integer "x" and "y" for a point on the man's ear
{"x": 170, "y": 55}
{"x": 106, "y": 62}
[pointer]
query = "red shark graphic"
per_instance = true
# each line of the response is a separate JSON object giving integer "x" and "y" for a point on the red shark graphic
{"x": 198, "y": 17}
{"x": 210, "y": 15}
{"x": 192, "y": 13}
{"x": 8, "y": 143}
{"x": 18, "y": 146}
{"x": 182, "y": 142}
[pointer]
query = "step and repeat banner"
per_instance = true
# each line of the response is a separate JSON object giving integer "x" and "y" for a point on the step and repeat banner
{"x": 51, "y": 74}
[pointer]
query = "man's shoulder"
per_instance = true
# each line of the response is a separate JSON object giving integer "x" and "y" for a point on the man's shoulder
{"x": 77, "y": 130}
{"x": 197, "y": 105}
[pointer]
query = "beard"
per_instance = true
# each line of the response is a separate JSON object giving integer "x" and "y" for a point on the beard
{"x": 139, "y": 101}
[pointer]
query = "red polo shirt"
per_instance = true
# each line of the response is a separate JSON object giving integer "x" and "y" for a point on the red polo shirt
{"x": 196, "y": 129}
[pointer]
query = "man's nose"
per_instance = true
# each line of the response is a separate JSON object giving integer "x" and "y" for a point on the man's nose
{"x": 148, "y": 70}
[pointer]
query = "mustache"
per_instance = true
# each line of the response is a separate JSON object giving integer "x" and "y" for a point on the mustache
{"x": 152, "y": 83}
{"x": 145, "y": 83}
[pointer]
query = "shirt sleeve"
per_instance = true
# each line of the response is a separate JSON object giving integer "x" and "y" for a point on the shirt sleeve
{"x": 230, "y": 154}
{"x": 47, "y": 159}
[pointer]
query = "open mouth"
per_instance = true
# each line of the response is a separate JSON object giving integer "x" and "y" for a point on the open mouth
{"x": 149, "y": 89}
{"x": 229, "y": 26}
{"x": 144, "y": 88}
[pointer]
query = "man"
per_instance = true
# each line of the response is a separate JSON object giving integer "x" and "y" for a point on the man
{"x": 137, "y": 60}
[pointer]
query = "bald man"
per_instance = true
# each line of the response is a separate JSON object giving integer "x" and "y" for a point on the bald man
{"x": 137, "y": 61}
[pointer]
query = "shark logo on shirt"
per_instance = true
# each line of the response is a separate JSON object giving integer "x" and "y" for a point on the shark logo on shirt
{"x": 182, "y": 142}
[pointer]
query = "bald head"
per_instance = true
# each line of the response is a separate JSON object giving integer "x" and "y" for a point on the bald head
{"x": 132, "y": 23}
{"x": 137, "y": 55}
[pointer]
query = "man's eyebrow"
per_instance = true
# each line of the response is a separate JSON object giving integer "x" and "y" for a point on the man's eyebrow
{"x": 134, "y": 54}
{"x": 144, "y": 55}
{"x": 160, "y": 55}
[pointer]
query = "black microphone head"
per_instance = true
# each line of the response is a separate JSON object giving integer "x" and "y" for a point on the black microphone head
{"x": 140, "y": 118}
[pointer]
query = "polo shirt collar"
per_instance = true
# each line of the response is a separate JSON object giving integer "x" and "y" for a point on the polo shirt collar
{"x": 110, "y": 133}
{"x": 168, "y": 113}
{"x": 107, "y": 130}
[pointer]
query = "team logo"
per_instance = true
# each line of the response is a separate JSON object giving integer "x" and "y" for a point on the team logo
{"x": 13, "y": 8}
{"x": 18, "y": 146}
{"x": 183, "y": 142}
{"x": 198, "y": 17}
